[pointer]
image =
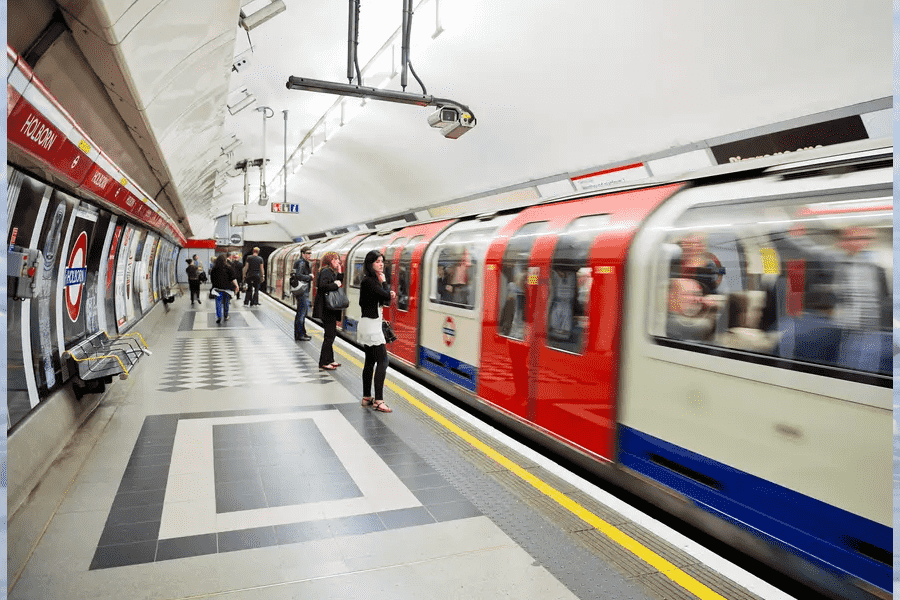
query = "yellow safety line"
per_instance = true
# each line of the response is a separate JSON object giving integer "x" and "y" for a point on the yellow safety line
{"x": 629, "y": 543}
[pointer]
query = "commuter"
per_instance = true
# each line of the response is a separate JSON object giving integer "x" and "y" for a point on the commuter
{"x": 255, "y": 274}
{"x": 689, "y": 317}
{"x": 374, "y": 291}
{"x": 238, "y": 267}
{"x": 459, "y": 279}
{"x": 193, "y": 275}
{"x": 330, "y": 279}
{"x": 302, "y": 271}
{"x": 223, "y": 282}
{"x": 445, "y": 290}
{"x": 697, "y": 263}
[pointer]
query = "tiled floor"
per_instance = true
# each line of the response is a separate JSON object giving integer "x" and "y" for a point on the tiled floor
{"x": 230, "y": 467}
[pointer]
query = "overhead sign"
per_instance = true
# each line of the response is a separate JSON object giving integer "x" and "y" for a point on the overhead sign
{"x": 281, "y": 207}
{"x": 610, "y": 177}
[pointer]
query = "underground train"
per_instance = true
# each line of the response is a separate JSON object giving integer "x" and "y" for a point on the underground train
{"x": 719, "y": 343}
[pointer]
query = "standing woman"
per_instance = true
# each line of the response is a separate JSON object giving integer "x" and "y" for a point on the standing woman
{"x": 374, "y": 292}
{"x": 330, "y": 279}
{"x": 223, "y": 281}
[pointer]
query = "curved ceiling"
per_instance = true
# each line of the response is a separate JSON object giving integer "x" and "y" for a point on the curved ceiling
{"x": 557, "y": 89}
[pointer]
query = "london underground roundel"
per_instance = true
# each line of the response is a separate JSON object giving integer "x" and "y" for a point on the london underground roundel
{"x": 76, "y": 272}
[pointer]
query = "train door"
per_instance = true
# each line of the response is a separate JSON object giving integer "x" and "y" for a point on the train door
{"x": 578, "y": 315}
{"x": 354, "y": 275}
{"x": 404, "y": 310}
{"x": 509, "y": 349}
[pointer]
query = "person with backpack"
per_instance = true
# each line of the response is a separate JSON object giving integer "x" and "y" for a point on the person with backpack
{"x": 302, "y": 276}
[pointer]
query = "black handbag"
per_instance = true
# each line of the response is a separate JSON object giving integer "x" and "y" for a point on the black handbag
{"x": 388, "y": 332}
{"x": 337, "y": 299}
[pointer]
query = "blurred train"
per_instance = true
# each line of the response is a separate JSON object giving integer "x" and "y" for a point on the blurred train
{"x": 718, "y": 343}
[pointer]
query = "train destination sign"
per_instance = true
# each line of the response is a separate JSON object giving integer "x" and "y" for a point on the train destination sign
{"x": 283, "y": 207}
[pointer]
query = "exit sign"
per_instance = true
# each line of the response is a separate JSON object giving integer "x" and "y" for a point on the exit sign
{"x": 281, "y": 207}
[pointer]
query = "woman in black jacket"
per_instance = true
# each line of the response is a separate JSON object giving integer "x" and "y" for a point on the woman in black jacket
{"x": 330, "y": 279}
{"x": 223, "y": 282}
{"x": 374, "y": 291}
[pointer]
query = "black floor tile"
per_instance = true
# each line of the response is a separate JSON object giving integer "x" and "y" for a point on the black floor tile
{"x": 129, "y": 533}
{"x": 302, "y": 532}
{"x": 406, "y": 517}
{"x": 136, "y": 514}
{"x": 231, "y": 501}
{"x": 452, "y": 511}
{"x": 183, "y": 547}
{"x": 124, "y": 554}
{"x": 355, "y": 525}
{"x": 259, "y": 537}
{"x": 144, "y": 472}
{"x": 234, "y": 471}
{"x": 129, "y": 499}
{"x": 440, "y": 495}
{"x": 131, "y": 484}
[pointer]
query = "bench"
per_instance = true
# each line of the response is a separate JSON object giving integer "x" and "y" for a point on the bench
{"x": 98, "y": 358}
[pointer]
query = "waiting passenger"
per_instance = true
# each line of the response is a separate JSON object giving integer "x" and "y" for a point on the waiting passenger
{"x": 688, "y": 317}
{"x": 459, "y": 279}
{"x": 813, "y": 336}
{"x": 698, "y": 264}
{"x": 742, "y": 333}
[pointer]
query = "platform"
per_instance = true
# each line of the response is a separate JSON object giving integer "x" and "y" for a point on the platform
{"x": 228, "y": 466}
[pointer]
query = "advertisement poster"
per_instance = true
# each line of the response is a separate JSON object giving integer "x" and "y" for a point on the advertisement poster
{"x": 123, "y": 298}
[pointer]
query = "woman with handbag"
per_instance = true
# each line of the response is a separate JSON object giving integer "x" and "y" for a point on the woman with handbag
{"x": 330, "y": 280}
{"x": 374, "y": 292}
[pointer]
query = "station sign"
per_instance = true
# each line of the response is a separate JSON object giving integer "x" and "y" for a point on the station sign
{"x": 283, "y": 207}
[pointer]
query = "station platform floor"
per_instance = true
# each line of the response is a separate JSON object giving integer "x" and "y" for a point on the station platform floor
{"x": 229, "y": 467}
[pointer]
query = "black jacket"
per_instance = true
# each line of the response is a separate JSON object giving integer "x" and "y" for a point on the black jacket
{"x": 302, "y": 270}
{"x": 372, "y": 293}
{"x": 326, "y": 283}
{"x": 222, "y": 277}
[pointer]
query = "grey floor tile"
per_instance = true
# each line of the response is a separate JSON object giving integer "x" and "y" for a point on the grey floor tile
{"x": 440, "y": 495}
{"x": 129, "y": 533}
{"x": 406, "y": 517}
{"x": 258, "y": 537}
{"x": 194, "y": 545}
{"x": 124, "y": 554}
{"x": 452, "y": 511}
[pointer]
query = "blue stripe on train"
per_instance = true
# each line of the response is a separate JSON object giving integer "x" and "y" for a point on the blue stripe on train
{"x": 449, "y": 368}
{"x": 826, "y": 535}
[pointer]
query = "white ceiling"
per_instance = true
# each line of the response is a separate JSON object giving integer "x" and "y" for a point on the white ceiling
{"x": 557, "y": 87}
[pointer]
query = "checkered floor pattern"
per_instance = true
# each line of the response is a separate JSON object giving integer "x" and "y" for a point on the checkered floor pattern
{"x": 216, "y": 363}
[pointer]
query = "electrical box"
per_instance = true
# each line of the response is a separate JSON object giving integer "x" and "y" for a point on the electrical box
{"x": 22, "y": 267}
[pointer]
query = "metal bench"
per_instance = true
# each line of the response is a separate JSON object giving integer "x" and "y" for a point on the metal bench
{"x": 98, "y": 358}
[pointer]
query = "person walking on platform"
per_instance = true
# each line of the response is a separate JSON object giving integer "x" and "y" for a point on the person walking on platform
{"x": 303, "y": 272}
{"x": 330, "y": 279}
{"x": 223, "y": 282}
{"x": 193, "y": 275}
{"x": 238, "y": 267}
{"x": 255, "y": 274}
{"x": 374, "y": 292}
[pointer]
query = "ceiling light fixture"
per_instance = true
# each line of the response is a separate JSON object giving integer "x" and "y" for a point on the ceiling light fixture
{"x": 249, "y": 22}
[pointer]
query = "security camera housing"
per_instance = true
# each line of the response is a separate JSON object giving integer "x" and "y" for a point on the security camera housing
{"x": 454, "y": 130}
{"x": 443, "y": 117}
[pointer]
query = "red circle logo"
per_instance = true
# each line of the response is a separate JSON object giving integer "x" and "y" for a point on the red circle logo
{"x": 76, "y": 273}
{"x": 449, "y": 331}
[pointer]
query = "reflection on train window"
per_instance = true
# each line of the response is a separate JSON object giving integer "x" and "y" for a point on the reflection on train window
{"x": 803, "y": 280}
{"x": 511, "y": 298}
{"x": 457, "y": 267}
{"x": 390, "y": 260}
{"x": 570, "y": 284}
{"x": 355, "y": 262}
{"x": 403, "y": 275}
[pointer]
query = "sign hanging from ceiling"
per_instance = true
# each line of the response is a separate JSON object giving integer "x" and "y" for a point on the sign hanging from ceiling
{"x": 282, "y": 207}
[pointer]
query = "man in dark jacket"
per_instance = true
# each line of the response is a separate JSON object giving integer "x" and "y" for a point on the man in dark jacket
{"x": 255, "y": 274}
{"x": 303, "y": 272}
{"x": 237, "y": 266}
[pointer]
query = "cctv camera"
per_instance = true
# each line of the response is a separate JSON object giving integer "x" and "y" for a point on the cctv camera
{"x": 443, "y": 116}
{"x": 454, "y": 130}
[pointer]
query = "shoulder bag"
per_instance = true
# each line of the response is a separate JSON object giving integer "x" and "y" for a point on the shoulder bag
{"x": 337, "y": 299}
{"x": 388, "y": 332}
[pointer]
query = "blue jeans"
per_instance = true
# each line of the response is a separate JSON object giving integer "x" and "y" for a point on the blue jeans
{"x": 300, "y": 317}
{"x": 222, "y": 303}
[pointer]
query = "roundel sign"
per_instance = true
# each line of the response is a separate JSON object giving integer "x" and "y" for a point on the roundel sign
{"x": 449, "y": 331}
{"x": 76, "y": 272}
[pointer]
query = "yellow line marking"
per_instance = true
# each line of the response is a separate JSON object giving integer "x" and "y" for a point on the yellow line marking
{"x": 629, "y": 543}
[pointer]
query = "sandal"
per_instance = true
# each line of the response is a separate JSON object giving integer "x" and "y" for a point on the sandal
{"x": 367, "y": 400}
{"x": 327, "y": 368}
{"x": 335, "y": 365}
{"x": 380, "y": 406}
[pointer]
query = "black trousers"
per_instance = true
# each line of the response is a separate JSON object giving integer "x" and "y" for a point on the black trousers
{"x": 252, "y": 295}
{"x": 194, "y": 285}
{"x": 326, "y": 356}
{"x": 376, "y": 361}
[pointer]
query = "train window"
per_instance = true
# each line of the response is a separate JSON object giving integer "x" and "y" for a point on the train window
{"x": 512, "y": 299}
{"x": 389, "y": 258}
{"x": 799, "y": 280}
{"x": 570, "y": 284}
{"x": 355, "y": 262}
{"x": 457, "y": 266}
{"x": 403, "y": 275}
